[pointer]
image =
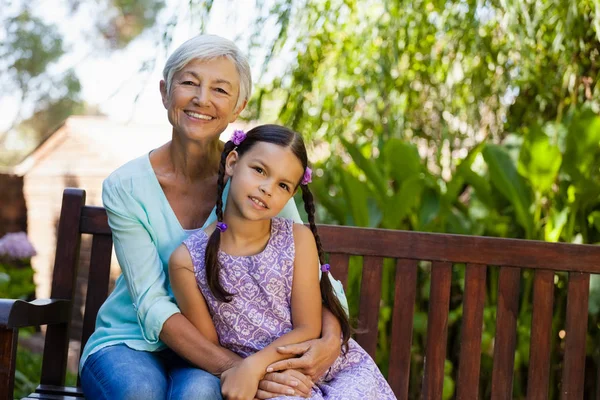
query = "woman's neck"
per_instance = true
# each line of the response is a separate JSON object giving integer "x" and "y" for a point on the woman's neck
{"x": 194, "y": 160}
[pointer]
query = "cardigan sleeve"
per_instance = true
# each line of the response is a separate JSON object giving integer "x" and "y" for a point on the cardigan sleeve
{"x": 138, "y": 257}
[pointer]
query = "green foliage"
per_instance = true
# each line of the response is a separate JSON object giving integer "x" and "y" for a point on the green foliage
{"x": 469, "y": 117}
{"x": 16, "y": 282}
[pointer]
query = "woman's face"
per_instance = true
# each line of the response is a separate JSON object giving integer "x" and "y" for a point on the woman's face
{"x": 202, "y": 99}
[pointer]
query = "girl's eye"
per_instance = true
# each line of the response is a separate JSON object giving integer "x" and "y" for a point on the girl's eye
{"x": 259, "y": 170}
{"x": 284, "y": 187}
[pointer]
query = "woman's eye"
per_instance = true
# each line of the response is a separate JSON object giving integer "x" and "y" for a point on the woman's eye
{"x": 187, "y": 83}
{"x": 221, "y": 90}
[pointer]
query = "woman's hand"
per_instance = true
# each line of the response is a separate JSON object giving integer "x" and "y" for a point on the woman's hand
{"x": 289, "y": 382}
{"x": 241, "y": 381}
{"x": 316, "y": 356}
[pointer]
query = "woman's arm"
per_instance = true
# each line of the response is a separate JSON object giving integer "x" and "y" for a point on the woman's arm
{"x": 306, "y": 319}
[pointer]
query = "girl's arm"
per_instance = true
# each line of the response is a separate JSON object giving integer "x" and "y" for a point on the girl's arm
{"x": 187, "y": 294}
{"x": 306, "y": 319}
{"x": 306, "y": 300}
{"x": 193, "y": 309}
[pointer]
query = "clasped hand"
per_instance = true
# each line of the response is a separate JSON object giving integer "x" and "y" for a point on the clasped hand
{"x": 293, "y": 376}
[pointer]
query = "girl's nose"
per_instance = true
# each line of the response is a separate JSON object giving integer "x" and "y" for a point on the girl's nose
{"x": 264, "y": 190}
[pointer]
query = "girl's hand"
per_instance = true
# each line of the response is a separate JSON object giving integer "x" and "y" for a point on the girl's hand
{"x": 241, "y": 382}
{"x": 289, "y": 382}
{"x": 316, "y": 356}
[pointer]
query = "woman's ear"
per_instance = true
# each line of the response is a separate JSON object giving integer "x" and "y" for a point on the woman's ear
{"x": 231, "y": 162}
{"x": 163, "y": 94}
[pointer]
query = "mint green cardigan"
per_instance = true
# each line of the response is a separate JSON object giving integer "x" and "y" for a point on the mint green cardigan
{"x": 145, "y": 233}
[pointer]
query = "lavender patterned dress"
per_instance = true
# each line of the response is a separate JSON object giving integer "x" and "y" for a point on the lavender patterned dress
{"x": 260, "y": 312}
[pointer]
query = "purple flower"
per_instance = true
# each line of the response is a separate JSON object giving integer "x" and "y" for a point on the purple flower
{"x": 307, "y": 178}
{"x": 238, "y": 137}
{"x": 16, "y": 245}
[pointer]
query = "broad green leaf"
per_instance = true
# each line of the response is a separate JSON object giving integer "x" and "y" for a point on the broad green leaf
{"x": 463, "y": 168}
{"x": 402, "y": 159}
{"x": 539, "y": 160}
{"x": 334, "y": 205}
{"x": 430, "y": 208}
{"x": 555, "y": 224}
{"x": 370, "y": 167}
{"x": 583, "y": 144}
{"x": 355, "y": 195}
{"x": 398, "y": 206}
{"x": 506, "y": 179}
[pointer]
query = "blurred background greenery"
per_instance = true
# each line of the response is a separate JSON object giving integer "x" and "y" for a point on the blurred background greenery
{"x": 474, "y": 117}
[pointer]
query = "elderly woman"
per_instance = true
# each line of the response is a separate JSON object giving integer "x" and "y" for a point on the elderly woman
{"x": 143, "y": 347}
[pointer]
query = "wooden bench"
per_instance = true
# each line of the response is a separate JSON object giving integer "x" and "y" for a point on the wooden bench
{"x": 407, "y": 249}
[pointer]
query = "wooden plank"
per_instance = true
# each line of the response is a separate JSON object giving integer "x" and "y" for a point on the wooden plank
{"x": 460, "y": 248}
{"x": 8, "y": 357}
{"x": 576, "y": 326}
{"x": 472, "y": 325}
{"x": 94, "y": 221}
{"x": 538, "y": 380}
{"x": 56, "y": 346}
{"x": 506, "y": 333}
{"x": 98, "y": 280}
{"x": 60, "y": 390}
{"x": 47, "y": 396}
{"x": 370, "y": 297}
{"x": 339, "y": 267}
{"x": 437, "y": 330}
{"x": 402, "y": 327}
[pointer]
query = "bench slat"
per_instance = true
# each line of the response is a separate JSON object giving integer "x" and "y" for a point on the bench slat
{"x": 339, "y": 267}
{"x": 437, "y": 330}
{"x": 94, "y": 221}
{"x": 54, "y": 364}
{"x": 538, "y": 379}
{"x": 99, "y": 276}
{"x": 370, "y": 297}
{"x": 8, "y": 358}
{"x": 506, "y": 333}
{"x": 472, "y": 325}
{"x": 576, "y": 327}
{"x": 402, "y": 327}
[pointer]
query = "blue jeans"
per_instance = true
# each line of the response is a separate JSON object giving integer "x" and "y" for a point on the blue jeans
{"x": 120, "y": 373}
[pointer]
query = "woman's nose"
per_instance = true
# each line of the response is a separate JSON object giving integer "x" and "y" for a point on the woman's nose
{"x": 202, "y": 96}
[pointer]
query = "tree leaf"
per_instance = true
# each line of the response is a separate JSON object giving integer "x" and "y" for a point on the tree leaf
{"x": 510, "y": 184}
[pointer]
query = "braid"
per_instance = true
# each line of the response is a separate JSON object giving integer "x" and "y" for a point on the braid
{"x": 330, "y": 300}
{"x": 214, "y": 242}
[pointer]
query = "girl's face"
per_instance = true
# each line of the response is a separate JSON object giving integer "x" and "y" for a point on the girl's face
{"x": 263, "y": 179}
{"x": 202, "y": 99}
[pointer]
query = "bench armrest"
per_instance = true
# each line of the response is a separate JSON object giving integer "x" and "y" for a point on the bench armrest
{"x": 19, "y": 313}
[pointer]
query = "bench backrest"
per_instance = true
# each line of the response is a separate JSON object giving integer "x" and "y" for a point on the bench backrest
{"x": 407, "y": 249}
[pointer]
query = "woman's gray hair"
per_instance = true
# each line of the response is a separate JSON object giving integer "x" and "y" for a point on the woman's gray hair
{"x": 205, "y": 48}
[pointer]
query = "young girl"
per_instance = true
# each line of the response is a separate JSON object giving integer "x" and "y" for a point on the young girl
{"x": 258, "y": 274}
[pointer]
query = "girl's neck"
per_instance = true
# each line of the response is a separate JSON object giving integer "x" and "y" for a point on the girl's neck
{"x": 245, "y": 237}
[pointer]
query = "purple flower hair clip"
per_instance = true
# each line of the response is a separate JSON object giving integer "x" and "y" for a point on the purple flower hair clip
{"x": 325, "y": 268}
{"x": 221, "y": 226}
{"x": 307, "y": 178}
{"x": 238, "y": 137}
